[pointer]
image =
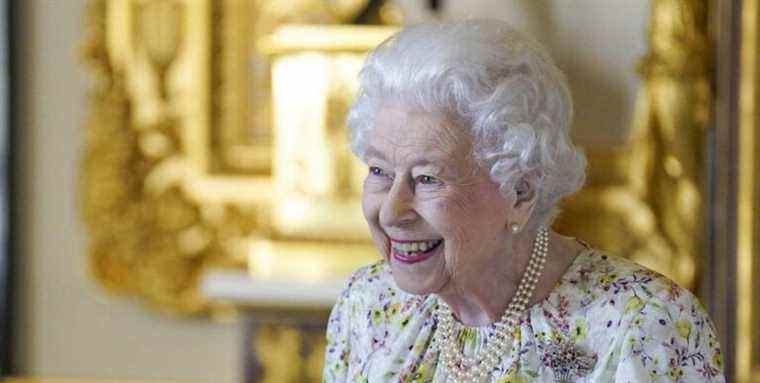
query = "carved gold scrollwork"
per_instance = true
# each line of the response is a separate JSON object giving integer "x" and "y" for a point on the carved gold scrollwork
{"x": 148, "y": 236}
{"x": 299, "y": 356}
{"x": 651, "y": 190}
{"x": 171, "y": 112}
{"x": 171, "y": 99}
{"x": 747, "y": 331}
{"x": 673, "y": 120}
{"x": 159, "y": 29}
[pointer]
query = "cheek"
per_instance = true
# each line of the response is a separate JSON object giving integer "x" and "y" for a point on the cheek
{"x": 467, "y": 220}
{"x": 370, "y": 207}
{"x": 451, "y": 219}
{"x": 371, "y": 210}
{"x": 371, "y": 204}
{"x": 459, "y": 210}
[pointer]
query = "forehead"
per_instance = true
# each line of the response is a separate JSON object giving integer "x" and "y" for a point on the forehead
{"x": 401, "y": 133}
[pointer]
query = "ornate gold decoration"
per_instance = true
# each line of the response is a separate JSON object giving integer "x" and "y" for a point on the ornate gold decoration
{"x": 170, "y": 111}
{"x": 178, "y": 172}
{"x": 283, "y": 365}
{"x": 651, "y": 190}
{"x": 141, "y": 179}
{"x": 747, "y": 334}
{"x": 677, "y": 76}
{"x": 244, "y": 146}
{"x": 299, "y": 357}
{"x": 181, "y": 168}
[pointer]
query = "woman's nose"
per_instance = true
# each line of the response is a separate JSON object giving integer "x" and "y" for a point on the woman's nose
{"x": 397, "y": 209}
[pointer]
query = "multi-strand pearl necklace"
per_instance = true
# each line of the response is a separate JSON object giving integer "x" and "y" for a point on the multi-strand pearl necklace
{"x": 479, "y": 366}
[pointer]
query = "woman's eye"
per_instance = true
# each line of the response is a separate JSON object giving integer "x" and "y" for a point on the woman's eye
{"x": 375, "y": 171}
{"x": 428, "y": 180}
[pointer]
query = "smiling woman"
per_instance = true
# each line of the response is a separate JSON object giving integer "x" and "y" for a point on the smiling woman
{"x": 424, "y": 187}
{"x": 464, "y": 128}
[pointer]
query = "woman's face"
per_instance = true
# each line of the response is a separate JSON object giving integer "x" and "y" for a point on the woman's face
{"x": 434, "y": 214}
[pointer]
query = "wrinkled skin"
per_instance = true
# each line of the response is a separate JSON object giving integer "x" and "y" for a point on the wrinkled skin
{"x": 422, "y": 185}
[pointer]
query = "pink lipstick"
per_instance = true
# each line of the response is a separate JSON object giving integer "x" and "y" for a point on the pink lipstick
{"x": 417, "y": 258}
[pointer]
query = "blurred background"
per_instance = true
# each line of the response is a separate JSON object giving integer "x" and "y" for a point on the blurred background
{"x": 179, "y": 203}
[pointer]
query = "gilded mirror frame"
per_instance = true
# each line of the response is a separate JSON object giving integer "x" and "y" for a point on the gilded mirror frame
{"x": 170, "y": 183}
{"x": 171, "y": 102}
{"x": 168, "y": 190}
{"x": 747, "y": 331}
{"x": 731, "y": 290}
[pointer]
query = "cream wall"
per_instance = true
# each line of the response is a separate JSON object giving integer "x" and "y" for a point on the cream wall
{"x": 67, "y": 325}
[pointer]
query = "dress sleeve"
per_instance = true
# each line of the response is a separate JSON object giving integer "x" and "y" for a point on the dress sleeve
{"x": 338, "y": 342}
{"x": 670, "y": 340}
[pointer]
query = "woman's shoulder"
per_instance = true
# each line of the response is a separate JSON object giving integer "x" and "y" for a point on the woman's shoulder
{"x": 612, "y": 272}
{"x": 372, "y": 277}
{"x": 372, "y": 298}
{"x": 660, "y": 327}
{"x": 621, "y": 281}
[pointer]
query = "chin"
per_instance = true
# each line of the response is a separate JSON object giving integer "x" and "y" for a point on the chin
{"x": 416, "y": 283}
{"x": 413, "y": 288}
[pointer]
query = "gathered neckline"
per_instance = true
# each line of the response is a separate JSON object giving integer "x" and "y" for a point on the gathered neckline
{"x": 561, "y": 282}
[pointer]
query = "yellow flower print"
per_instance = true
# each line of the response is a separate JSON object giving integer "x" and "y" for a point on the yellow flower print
{"x": 517, "y": 333}
{"x": 717, "y": 360}
{"x": 607, "y": 279}
{"x": 634, "y": 304}
{"x": 377, "y": 317}
{"x": 374, "y": 270}
{"x": 580, "y": 330}
{"x": 468, "y": 337}
{"x": 512, "y": 377}
{"x": 421, "y": 375}
{"x": 676, "y": 373}
{"x": 684, "y": 328}
{"x": 393, "y": 310}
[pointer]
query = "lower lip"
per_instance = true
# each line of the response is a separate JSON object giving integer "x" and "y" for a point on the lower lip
{"x": 417, "y": 258}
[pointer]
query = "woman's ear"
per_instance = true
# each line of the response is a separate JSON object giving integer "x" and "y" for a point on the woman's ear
{"x": 525, "y": 198}
{"x": 524, "y": 193}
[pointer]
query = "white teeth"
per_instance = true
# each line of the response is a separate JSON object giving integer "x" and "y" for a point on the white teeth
{"x": 411, "y": 248}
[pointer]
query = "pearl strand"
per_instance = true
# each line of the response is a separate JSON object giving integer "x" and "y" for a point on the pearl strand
{"x": 477, "y": 368}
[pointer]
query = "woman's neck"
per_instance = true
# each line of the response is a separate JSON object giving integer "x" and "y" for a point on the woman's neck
{"x": 478, "y": 300}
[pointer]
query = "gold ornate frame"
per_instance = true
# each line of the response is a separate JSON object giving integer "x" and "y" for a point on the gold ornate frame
{"x": 170, "y": 186}
{"x": 731, "y": 287}
{"x": 145, "y": 154}
{"x": 747, "y": 332}
{"x": 172, "y": 182}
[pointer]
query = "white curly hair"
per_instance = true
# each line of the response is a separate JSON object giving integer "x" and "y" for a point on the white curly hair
{"x": 499, "y": 84}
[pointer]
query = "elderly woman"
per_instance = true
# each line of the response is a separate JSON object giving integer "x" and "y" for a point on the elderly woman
{"x": 464, "y": 128}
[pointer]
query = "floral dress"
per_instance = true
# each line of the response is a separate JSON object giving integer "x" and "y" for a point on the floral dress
{"x": 607, "y": 320}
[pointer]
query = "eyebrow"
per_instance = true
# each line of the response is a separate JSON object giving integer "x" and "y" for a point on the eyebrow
{"x": 426, "y": 162}
{"x": 373, "y": 152}
{"x": 439, "y": 161}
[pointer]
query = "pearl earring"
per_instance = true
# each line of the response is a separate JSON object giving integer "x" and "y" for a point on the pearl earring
{"x": 515, "y": 228}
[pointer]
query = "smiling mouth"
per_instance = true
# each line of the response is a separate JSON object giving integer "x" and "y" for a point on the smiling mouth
{"x": 414, "y": 252}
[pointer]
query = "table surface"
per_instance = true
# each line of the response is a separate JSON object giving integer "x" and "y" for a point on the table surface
{"x": 237, "y": 287}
